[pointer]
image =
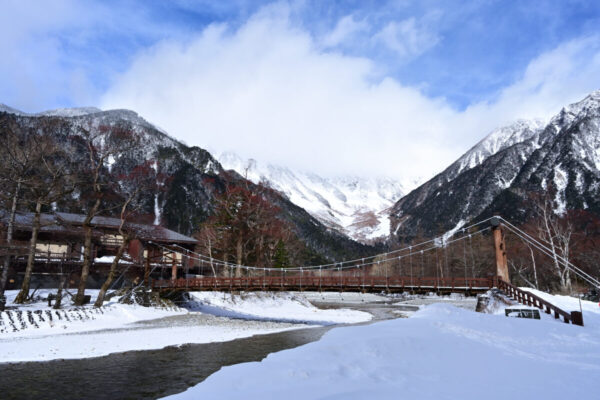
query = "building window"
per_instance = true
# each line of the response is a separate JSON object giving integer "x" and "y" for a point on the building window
{"x": 45, "y": 248}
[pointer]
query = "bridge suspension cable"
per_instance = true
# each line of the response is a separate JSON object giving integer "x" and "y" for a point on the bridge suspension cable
{"x": 537, "y": 243}
{"x": 440, "y": 241}
{"x": 339, "y": 266}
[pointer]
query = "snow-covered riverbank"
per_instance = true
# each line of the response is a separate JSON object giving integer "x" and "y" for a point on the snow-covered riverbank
{"x": 284, "y": 307}
{"x": 35, "y": 332}
{"x": 441, "y": 352}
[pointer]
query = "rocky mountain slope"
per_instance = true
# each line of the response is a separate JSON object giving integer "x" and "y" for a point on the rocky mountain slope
{"x": 358, "y": 207}
{"x": 194, "y": 178}
{"x": 498, "y": 175}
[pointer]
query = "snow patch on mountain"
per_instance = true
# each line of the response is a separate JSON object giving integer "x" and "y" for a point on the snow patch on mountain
{"x": 561, "y": 179}
{"x": 499, "y": 139}
{"x": 59, "y": 112}
{"x": 355, "y": 206}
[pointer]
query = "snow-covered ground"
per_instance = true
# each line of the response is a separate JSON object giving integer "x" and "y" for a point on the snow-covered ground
{"x": 344, "y": 297}
{"x": 442, "y": 352}
{"x": 287, "y": 307}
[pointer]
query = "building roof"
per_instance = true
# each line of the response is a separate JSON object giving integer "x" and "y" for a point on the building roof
{"x": 69, "y": 223}
{"x": 48, "y": 223}
{"x": 143, "y": 231}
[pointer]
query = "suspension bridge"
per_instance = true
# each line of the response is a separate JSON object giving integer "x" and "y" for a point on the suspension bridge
{"x": 447, "y": 264}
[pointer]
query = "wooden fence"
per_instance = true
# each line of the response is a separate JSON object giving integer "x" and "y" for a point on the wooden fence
{"x": 529, "y": 299}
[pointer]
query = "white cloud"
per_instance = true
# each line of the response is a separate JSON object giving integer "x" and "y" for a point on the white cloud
{"x": 407, "y": 38}
{"x": 267, "y": 90}
{"x": 346, "y": 28}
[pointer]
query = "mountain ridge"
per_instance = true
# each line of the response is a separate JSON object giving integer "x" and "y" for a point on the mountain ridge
{"x": 565, "y": 154}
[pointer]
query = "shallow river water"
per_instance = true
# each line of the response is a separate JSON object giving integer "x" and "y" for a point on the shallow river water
{"x": 141, "y": 374}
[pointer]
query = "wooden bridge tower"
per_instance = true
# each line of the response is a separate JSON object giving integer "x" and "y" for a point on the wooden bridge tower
{"x": 500, "y": 247}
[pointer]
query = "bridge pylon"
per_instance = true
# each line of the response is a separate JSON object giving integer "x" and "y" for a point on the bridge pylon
{"x": 500, "y": 248}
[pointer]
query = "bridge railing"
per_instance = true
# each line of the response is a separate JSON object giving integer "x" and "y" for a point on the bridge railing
{"x": 324, "y": 282}
{"x": 529, "y": 299}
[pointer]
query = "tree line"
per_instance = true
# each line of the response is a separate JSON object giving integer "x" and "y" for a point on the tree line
{"x": 44, "y": 165}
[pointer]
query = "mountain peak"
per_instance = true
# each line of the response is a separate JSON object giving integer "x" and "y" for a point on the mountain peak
{"x": 355, "y": 206}
{"x": 589, "y": 106}
{"x": 499, "y": 139}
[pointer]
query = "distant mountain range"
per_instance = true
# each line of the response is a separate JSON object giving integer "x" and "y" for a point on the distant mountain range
{"x": 358, "y": 207}
{"x": 499, "y": 173}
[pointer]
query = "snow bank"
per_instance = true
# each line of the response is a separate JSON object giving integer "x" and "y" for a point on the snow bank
{"x": 27, "y": 323}
{"x": 37, "y": 319}
{"x": 271, "y": 306}
{"x": 441, "y": 352}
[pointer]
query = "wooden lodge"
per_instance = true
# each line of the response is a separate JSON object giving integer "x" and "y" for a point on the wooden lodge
{"x": 154, "y": 252}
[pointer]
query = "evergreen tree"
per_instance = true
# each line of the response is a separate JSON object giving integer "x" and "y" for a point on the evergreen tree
{"x": 281, "y": 259}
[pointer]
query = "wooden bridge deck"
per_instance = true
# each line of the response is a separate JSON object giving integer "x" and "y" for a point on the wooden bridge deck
{"x": 392, "y": 284}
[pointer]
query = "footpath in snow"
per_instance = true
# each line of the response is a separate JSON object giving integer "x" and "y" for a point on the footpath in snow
{"x": 441, "y": 352}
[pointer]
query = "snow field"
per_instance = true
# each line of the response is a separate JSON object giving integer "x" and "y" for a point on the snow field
{"x": 442, "y": 352}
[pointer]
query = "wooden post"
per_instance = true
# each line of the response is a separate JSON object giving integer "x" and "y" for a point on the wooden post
{"x": 577, "y": 318}
{"x": 174, "y": 268}
{"x": 147, "y": 269}
{"x": 500, "y": 247}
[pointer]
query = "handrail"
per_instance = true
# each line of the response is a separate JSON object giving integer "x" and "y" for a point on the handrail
{"x": 529, "y": 299}
{"x": 340, "y": 282}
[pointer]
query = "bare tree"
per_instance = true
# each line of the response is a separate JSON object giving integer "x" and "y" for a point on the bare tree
{"x": 208, "y": 237}
{"x": 49, "y": 183}
{"x": 20, "y": 151}
{"x": 247, "y": 228}
{"x": 102, "y": 146}
{"x": 131, "y": 185}
{"x": 557, "y": 232}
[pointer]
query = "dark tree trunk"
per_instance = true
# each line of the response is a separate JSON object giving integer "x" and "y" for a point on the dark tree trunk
{"x": 87, "y": 253}
{"x": 58, "y": 301}
{"x": 111, "y": 274}
{"x": 9, "y": 236}
{"x": 24, "y": 293}
{"x": 238, "y": 257}
{"x": 85, "y": 268}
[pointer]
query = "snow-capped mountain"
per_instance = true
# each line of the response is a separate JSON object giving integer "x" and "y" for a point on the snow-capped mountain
{"x": 59, "y": 112}
{"x": 500, "y": 173}
{"x": 357, "y": 207}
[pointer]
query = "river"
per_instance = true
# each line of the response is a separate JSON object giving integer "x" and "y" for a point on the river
{"x": 157, "y": 373}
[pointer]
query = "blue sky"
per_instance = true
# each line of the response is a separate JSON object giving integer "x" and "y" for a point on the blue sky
{"x": 440, "y": 70}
